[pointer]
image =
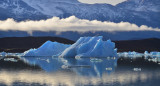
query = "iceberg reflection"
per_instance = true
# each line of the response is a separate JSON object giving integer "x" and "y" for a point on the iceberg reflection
{"x": 85, "y": 66}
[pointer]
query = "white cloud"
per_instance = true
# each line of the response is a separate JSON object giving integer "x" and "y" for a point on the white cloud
{"x": 70, "y": 24}
{"x": 112, "y": 2}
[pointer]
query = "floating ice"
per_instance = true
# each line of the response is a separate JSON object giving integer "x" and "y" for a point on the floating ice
{"x": 91, "y": 47}
{"x": 96, "y": 60}
{"x": 3, "y": 54}
{"x": 10, "y": 59}
{"x": 130, "y": 54}
{"x": 155, "y": 53}
{"x": 47, "y": 49}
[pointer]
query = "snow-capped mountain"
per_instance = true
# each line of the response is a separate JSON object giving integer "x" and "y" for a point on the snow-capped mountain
{"x": 18, "y": 10}
{"x": 141, "y": 5}
{"x": 140, "y": 12}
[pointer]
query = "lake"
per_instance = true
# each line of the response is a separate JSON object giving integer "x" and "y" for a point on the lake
{"x": 54, "y": 71}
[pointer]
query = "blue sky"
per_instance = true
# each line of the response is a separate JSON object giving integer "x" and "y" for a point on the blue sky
{"x": 113, "y": 2}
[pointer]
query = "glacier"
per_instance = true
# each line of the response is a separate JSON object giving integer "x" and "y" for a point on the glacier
{"x": 49, "y": 48}
{"x": 84, "y": 47}
{"x": 91, "y": 47}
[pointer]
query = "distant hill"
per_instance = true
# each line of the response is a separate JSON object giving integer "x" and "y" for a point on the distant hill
{"x": 21, "y": 44}
{"x": 152, "y": 44}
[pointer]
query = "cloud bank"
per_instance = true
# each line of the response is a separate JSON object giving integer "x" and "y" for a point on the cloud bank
{"x": 112, "y": 2}
{"x": 70, "y": 24}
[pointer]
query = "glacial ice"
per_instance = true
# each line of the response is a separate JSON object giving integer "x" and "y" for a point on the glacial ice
{"x": 47, "y": 49}
{"x": 84, "y": 47}
{"x": 130, "y": 54}
{"x": 3, "y": 54}
{"x": 155, "y": 53}
{"x": 91, "y": 47}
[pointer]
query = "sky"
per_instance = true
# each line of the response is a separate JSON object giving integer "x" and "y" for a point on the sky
{"x": 112, "y": 2}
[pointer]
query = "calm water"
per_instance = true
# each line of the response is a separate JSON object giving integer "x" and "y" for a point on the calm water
{"x": 54, "y": 71}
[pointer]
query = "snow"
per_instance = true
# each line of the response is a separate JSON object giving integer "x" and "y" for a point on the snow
{"x": 49, "y": 7}
{"x": 47, "y": 49}
{"x": 91, "y": 47}
{"x": 61, "y": 7}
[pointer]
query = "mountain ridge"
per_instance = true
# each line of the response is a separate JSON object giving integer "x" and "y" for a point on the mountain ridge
{"x": 21, "y": 44}
{"x": 43, "y": 9}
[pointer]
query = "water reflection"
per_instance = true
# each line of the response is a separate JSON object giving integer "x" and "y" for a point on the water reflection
{"x": 97, "y": 66}
{"x": 48, "y": 64}
{"x": 85, "y": 66}
{"x": 83, "y": 71}
{"x": 69, "y": 78}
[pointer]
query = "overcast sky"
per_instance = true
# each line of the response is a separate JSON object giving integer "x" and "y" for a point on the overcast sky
{"x": 113, "y": 2}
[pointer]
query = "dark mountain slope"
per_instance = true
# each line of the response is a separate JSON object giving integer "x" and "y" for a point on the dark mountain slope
{"x": 21, "y": 44}
{"x": 151, "y": 44}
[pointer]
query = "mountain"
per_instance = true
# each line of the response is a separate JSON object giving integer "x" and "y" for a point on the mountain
{"x": 21, "y": 44}
{"x": 140, "y": 12}
{"x": 18, "y": 10}
{"x": 141, "y": 5}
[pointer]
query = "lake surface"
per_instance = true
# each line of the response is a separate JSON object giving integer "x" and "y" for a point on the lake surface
{"x": 54, "y": 71}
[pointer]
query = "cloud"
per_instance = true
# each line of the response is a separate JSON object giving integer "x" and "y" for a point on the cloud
{"x": 70, "y": 24}
{"x": 112, "y": 2}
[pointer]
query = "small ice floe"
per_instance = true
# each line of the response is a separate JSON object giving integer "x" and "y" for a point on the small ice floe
{"x": 153, "y": 60}
{"x": 75, "y": 66}
{"x": 109, "y": 69}
{"x": 130, "y": 54}
{"x": 137, "y": 69}
{"x": 64, "y": 66}
{"x": 10, "y": 59}
{"x": 3, "y": 54}
{"x": 96, "y": 60}
{"x": 153, "y": 54}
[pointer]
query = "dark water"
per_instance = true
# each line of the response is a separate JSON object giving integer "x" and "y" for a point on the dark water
{"x": 54, "y": 71}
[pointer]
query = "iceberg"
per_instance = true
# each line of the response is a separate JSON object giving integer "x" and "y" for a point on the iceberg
{"x": 49, "y": 48}
{"x": 91, "y": 47}
{"x": 84, "y": 47}
{"x": 3, "y": 54}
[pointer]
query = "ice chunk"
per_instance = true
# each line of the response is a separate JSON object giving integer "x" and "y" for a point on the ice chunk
{"x": 130, "y": 54}
{"x": 47, "y": 49}
{"x": 3, "y": 54}
{"x": 146, "y": 53}
{"x": 91, "y": 47}
{"x": 10, "y": 59}
{"x": 154, "y": 53}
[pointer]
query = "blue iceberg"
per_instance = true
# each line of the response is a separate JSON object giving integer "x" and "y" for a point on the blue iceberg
{"x": 47, "y": 49}
{"x": 84, "y": 47}
{"x": 91, "y": 47}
